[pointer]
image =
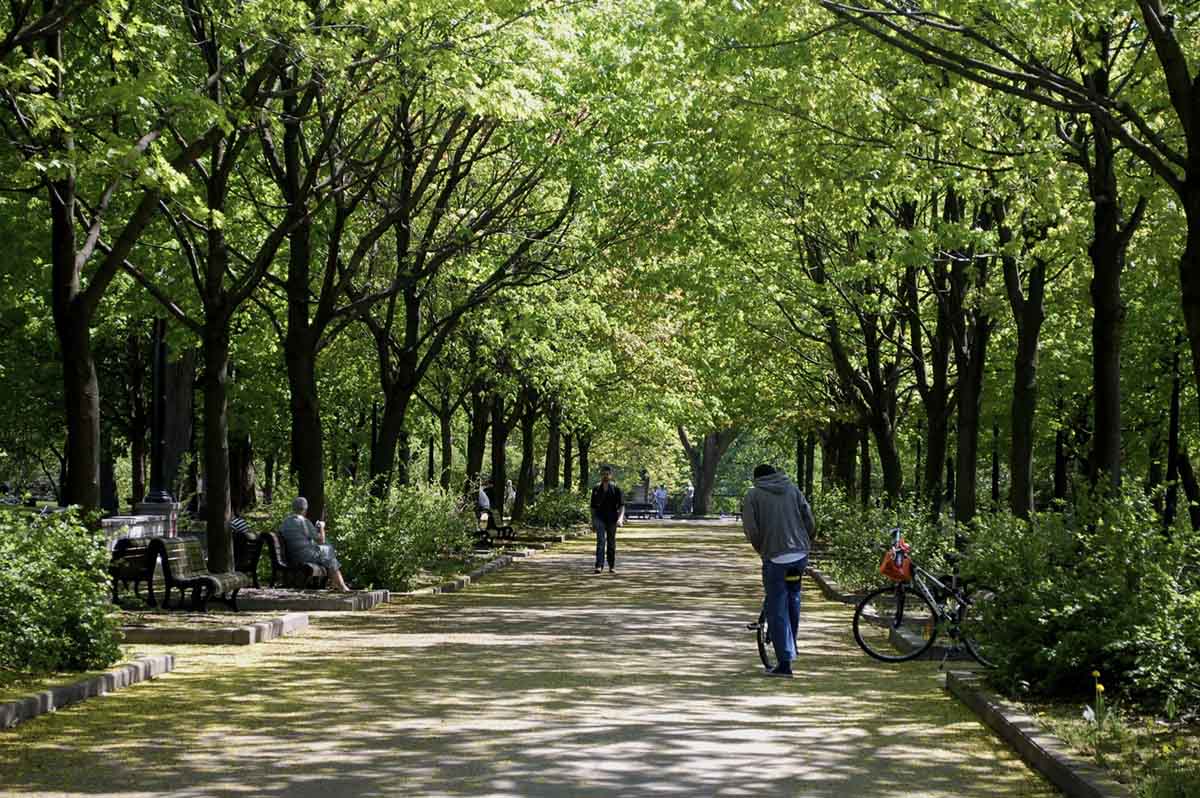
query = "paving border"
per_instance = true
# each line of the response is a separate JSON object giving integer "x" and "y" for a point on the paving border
{"x": 1044, "y": 752}
{"x": 299, "y": 601}
{"x": 455, "y": 585}
{"x": 140, "y": 670}
{"x": 831, "y": 590}
{"x": 246, "y": 635}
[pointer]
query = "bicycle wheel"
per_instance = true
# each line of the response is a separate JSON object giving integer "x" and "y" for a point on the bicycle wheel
{"x": 974, "y": 620}
{"x": 895, "y": 623}
{"x": 766, "y": 649}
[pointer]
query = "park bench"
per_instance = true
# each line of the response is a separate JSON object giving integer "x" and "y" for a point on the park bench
{"x": 133, "y": 562}
{"x": 285, "y": 573}
{"x": 247, "y": 550}
{"x": 489, "y": 530}
{"x": 640, "y": 510}
{"x": 184, "y": 569}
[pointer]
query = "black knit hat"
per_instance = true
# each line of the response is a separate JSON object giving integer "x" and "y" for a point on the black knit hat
{"x": 763, "y": 470}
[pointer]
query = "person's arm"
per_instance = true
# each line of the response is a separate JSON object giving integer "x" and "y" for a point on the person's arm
{"x": 750, "y": 522}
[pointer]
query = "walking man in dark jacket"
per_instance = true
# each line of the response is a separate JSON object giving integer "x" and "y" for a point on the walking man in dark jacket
{"x": 778, "y": 522}
{"x": 607, "y": 505}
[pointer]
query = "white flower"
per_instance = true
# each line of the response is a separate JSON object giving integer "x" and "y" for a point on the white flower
{"x": 1089, "y": 715}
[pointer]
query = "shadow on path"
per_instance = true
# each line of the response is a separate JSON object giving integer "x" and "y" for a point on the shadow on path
{"x": 543, "y": 679}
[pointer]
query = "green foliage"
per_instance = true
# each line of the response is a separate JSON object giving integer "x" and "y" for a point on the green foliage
{"x": 1170, "y": 780}
{"x": 853, "y": 538}
{"x": 1099, "y": 587}
{"x": 384, "y": 542}
{"x": 558, "y": 509}
{"x": 55, "y": 613}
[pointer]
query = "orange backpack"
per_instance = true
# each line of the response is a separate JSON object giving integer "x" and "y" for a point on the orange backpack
{"x": 897, "y": 565}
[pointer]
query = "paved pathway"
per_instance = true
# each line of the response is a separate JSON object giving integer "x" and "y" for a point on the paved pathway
{"x": 542, "y": 680}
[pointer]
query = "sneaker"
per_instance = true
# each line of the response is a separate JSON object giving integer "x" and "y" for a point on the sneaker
{"x": 611, "y": 571}
{"x": 598, "y": 570}
{"x": 779, "y": 670}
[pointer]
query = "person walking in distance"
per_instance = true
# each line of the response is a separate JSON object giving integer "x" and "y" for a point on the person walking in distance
{"x": 608, "y": 504}
{"x": 779, "y": 523}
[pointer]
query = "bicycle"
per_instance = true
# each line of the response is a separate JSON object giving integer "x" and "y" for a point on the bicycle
{"x": 901, "y": 621}
{"x": 762, "y": 633}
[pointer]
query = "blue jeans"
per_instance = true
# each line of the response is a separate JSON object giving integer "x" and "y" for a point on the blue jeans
{"x": 782, "y": 606}
{"x": 606, "y": 541}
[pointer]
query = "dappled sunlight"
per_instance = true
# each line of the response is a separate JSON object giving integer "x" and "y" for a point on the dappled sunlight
{"x": 544, "y": 679}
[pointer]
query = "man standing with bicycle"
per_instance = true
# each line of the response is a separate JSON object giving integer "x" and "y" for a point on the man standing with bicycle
{"x": 778, "y": 522}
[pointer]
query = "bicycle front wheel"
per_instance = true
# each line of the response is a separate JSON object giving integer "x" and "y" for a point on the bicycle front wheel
{"x": 766, "y": 648}
{"x": 895, "y": 623}
{"x": 973, "y": 621}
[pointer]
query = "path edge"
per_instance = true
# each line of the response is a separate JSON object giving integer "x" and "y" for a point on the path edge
{"x": 246, "y": 635}
{"x": 1043, "y": 752}
{"x": 139, "y": 670}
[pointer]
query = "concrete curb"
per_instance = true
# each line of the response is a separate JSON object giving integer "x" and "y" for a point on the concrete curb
{"x": 301, "y": 601}
{"x": 462, "y": 582}
{"x": 225, "y": 636}
{"x": 1044, "y": 752}
{"x": 831, "y": 590}
{"x": 141, "y": 669}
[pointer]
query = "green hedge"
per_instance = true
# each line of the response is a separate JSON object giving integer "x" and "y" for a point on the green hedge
{"x": 1095, "y": 586}
{"x": 384, "y": 542}
{"x": 55, "y": 612}
{"x": 558, "y": 509}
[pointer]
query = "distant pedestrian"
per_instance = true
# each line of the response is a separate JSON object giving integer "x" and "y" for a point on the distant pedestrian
{"x": 483, "y": 502}
{"x": 689, "y": 498}
{"x": 510, "y": 497}
{"x": 660, "y": 501}
{"x": 608, "y": 505}
{"x": 778, "y": 523}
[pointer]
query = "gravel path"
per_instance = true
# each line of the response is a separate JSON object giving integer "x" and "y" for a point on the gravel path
{"x": 542, "y": 680}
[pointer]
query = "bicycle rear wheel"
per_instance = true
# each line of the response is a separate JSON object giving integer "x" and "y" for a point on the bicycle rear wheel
{"x": 974, "y": 621}
{"x": 766, "y": 648}
{"x": 895, "y": 623}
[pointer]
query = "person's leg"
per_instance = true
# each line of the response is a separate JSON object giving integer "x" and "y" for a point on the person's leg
{"x": 793, "y": 597}
{"x": 599, "y": 526}
{"x": 612, "y": 545}
{"x": 339, "y": 583}
{"x": 778, "y": 618}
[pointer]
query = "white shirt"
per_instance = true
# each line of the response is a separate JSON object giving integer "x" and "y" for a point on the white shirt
{"x": 484, "y": 502}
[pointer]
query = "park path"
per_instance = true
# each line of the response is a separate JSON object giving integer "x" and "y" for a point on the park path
{"x": 541, "y": 680}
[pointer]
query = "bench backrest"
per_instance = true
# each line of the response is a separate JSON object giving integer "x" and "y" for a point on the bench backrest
{"x": 278, "y": 550}
{"x": 182, "y": 558}
{"x": 132, "y": 548}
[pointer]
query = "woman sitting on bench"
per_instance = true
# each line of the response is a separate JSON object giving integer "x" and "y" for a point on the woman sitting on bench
{"x": 305, "y": 542}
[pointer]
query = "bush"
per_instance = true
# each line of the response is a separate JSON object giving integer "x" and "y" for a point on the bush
{"x": 851, "y": 538}
{"x": 558, "y": 509}
{"x": 55, "y": 613}
{"x": 384, "y": 542}
{"x": 1099, "y": 587}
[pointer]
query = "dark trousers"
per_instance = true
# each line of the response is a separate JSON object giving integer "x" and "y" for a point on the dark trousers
{"x": 606, "y": 541}
{"x": 782, "y": 605}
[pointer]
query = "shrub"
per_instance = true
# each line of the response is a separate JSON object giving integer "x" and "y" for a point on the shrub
{"x": 55, "y": 613}
{"x": 384, "y": 542}
{"x": 1099, "y": 587}
{"x": 850, "y": 538}
{"x": 558, "y": 509}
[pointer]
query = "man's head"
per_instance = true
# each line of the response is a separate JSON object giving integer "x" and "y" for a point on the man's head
{"x": 299, "y": 505}
{"x": 763, "y": 470}
{"x": 606, "y": 473}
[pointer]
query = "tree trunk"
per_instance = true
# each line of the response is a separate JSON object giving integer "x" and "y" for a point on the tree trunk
{"x": 499, "y": 450}
{"x": 445, "y": 419}
{"x": 1191, "y": 488}
{"x": 865, "y": 468}
{"x": 110, "y": 501}
{"x": 270, "y": 468}
{"x": 389, "y": 434}
{"x": 136, "y": 409}
{"x": 216, "y": 442}
{"x": 526, "y": 475}
{"x": 810, "y": 456}
{"x": 243, "y": 488}
{"x": 307, "y": 438}
{"x": 995, "y": 465}
{"x": 704, "y": 460}
{"x": 1171, "y": 499}
{"x": 568, "y": 462}
{"x": 480, "y": 416}
{"x": 431, "y": 468}
{"x": 1060, "y": 464}
{"x": 585, "y": 446}
{"x": 800, "y": 459}
{"x": 553, "y": 440}
{"x": 179, "y": 438}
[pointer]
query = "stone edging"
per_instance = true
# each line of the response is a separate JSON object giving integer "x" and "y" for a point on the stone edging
{"x": 1044, "y": 752}
{"x": 313, "y": 601}
{"x": 141, "y": 669}
{"x": 831, "y": 590}
{"x": 223, "y": 636}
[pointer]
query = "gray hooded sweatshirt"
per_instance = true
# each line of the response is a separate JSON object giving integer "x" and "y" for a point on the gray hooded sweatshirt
{"x": 776, "y": 518}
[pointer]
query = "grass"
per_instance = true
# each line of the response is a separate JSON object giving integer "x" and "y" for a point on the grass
{"x": 1155, "y": 757}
